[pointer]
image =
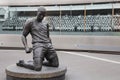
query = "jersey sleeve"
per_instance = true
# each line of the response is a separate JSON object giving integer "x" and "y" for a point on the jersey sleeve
{"x": 27, "y": 27}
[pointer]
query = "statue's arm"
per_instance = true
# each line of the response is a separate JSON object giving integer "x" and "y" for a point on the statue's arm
{"x": 48, "y": 32}
{"x": 26, "y": 31}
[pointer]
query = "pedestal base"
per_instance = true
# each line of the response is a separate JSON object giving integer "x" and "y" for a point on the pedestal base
{"x": 14, "y": 72}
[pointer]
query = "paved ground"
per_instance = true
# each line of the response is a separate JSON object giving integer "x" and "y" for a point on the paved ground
{"x": 80, "y": 65}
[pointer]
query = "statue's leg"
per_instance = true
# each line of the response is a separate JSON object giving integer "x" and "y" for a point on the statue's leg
{"x": 52, "y": 58}
{"x": 53, "y": 62}
{"x": 21, "y": 63}
{"x": 38, "y": 57}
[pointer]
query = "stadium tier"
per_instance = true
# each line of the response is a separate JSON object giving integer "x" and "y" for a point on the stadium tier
{"x": 92, "y": 17}
{"x": 70, "y": 23}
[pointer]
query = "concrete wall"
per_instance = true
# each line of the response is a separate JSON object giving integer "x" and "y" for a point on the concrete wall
{"x": 71, "y": 42}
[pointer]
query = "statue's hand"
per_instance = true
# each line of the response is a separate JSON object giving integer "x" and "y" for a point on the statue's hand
{"x": 28, "y": 50}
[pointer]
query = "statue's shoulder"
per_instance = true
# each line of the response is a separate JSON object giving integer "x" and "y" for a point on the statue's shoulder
{"x": 30, "y": 21}
{"x": 45, "y": 21}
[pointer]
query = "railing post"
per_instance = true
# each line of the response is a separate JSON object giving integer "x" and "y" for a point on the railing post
{"x": 84, "y": 18}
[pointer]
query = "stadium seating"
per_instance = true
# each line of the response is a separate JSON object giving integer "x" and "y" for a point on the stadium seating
{"x": 90, "y": 23}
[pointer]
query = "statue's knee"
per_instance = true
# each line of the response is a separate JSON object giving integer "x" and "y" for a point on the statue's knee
{"x": 38, "y": 63}
{"x": 55, "y": 62}
{"x": 38, "y": 68}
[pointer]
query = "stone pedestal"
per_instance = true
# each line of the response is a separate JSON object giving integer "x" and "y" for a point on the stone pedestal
{"x": 14, "y": 72}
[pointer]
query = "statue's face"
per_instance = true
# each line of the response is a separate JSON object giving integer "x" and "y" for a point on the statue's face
{"x": 40, "y": 15}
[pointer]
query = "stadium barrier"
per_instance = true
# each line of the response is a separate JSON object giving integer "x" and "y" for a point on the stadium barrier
{"x": 67, "y": 42}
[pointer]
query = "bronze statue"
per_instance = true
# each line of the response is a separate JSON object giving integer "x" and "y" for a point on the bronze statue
{"x": 42, "y": 45}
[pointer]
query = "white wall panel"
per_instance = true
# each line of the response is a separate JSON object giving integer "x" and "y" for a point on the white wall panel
{"x": 49, "y": 2}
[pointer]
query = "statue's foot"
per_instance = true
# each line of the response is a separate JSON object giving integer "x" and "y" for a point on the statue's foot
{"x": 20, "y": 63}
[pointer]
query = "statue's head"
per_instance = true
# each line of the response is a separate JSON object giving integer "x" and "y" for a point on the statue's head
{"x": 41, "y": 13}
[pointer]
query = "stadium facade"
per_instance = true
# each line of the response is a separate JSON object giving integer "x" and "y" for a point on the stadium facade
{"x": 66, "y": 16}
